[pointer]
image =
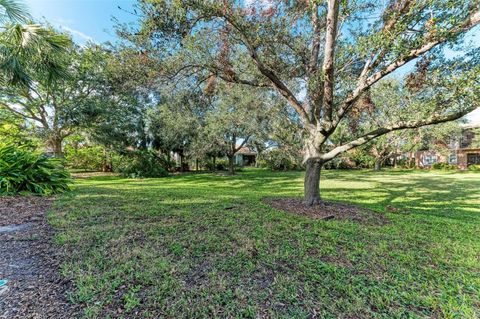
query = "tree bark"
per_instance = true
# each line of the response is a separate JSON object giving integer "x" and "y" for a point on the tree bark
{"x": 55, "y": 144}
{"x": 312, "y": 182}
{"x": 231, "y": 165}
{"x": 107, "y": 163}
{"x": 182, "y": 166}
{"x": 378, "y": 165}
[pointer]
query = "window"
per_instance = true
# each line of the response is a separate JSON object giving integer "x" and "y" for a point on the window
{"x": 430, "y": 159}
{"x": 452, "y": 159}
{"x": 473, "y": 158}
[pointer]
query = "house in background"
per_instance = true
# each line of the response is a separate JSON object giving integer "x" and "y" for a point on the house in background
{"x": 245, "y": 157}
{"x": 462, "y": 152}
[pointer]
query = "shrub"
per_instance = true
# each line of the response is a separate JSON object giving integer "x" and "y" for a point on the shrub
{"x": 87, "y": 158}
{"x": 220, "y": 165}
{"x": 143, "y": 164}
{"x": 443, "y": 166}
{"x": 24, "y": 171}
{"x": 278, "y": 160}
{"x": 474, "y": 168}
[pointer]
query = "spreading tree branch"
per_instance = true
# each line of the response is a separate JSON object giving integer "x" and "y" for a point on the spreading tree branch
{"x": 434, "y": 119}
{"x": 366, "y": 82}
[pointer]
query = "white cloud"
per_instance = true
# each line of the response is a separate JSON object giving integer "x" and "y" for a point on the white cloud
{"x": 77, "y": 33}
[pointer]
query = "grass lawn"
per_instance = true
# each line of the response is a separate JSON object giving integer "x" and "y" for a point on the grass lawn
{"x": 205, "y": 246}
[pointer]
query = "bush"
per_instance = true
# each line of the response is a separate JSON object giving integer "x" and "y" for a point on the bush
{"x": 143, "y": 164}
{"x": 474, "y": 168}
{"x": 87, "y": 158}
{"x": 220, "y": 165}
{"x": 443, "y": 166}
{"x": 24, "y": 171}
{"x": 278, "y": 160}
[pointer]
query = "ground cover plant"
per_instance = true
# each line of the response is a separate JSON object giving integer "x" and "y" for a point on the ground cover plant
{"x": 24, "y": 171}
{"x": 208, "y": 245}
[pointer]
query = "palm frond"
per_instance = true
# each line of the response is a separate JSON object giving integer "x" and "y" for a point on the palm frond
{"x": 32, "y": 45}
{"x": 13, "y": 10}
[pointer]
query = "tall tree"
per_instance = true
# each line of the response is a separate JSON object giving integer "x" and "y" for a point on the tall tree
{"x": 56, "y": 106}
{"x": 331, "y": 51}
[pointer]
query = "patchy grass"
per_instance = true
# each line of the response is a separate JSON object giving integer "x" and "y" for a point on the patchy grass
{"x": 206, "y": 246}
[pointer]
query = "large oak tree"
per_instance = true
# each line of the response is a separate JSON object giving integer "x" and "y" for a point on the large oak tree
{"x": 323, "y": 57}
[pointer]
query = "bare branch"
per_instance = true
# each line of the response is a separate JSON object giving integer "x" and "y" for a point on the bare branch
{"x": 268, "y": 73}
{"x": 312, "y": 65}
{"x": 329, "y": 59}
{"x": 24, "y": 116}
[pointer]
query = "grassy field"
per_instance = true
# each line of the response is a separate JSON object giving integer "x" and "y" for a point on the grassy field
{"x": 205, "y": 246}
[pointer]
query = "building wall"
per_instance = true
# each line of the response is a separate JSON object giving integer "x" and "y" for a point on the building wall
{"x": 424, "y": 159}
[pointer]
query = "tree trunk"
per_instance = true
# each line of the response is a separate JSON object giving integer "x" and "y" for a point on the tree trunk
{"x": 312, "y": 182}
{"x": 181, "y": 163}
{"x": 196, "y": 164}
{"x": 55, "y": 144}
{"x": 107, "y": 163}
{"x": 378, "y": 164}
{"x": 214, "y": 163}
{"x": 231, "y": 165}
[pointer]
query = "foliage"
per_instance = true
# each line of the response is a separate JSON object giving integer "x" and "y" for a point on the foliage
{"x": 59, "y": 105}
{"x": 14, "y": 130}
{"x": 24, "y": 171}
{"x": 27, "y": 48}
{"x": 323, "y": 58}
{"x": 219, "y": 165}
{"x": 85, "y": 157}
{"x": 443, "y": 166}
{"x": 475, "y": 168}
{"x": 143, "y": 164}
{"x": 196, "y": 245}
{"x": 279, "y": 160}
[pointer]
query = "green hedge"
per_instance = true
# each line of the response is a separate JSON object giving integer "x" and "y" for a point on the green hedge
{"x": 443, "y": 166}
{"x": 141, "y": 164}
{"x": 474, "y": 168}
{"x": 23, "y": 171}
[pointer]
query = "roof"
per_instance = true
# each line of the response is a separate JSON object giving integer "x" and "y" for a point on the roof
{"x": 246, "y": 151}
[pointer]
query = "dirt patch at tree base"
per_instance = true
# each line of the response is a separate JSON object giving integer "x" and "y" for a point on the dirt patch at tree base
{"x": 30, "y": 261}
{"x": 328, "y": 210}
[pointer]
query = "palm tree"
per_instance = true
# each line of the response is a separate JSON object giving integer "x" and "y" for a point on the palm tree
{"x": 12, "y": 10}
{"x": 24, "y": 45}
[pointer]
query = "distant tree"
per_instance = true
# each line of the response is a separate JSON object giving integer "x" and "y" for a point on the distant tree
{"x": 332, "y": 51}
{"x": 175, "y": 123}
{"x": 56, "y": 106}
{"x": 236, "y": 116}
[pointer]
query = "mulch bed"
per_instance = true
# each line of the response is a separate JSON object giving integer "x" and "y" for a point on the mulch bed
{"x": 328, "y": 210}
{"x": 30, "y": 261}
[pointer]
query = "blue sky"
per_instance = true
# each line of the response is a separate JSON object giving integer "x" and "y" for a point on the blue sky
{"x": 92, "y": 20}
{"x": 84, "y": 19}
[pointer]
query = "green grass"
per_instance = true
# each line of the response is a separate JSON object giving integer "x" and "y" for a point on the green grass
{"x": 174, "y": 247}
